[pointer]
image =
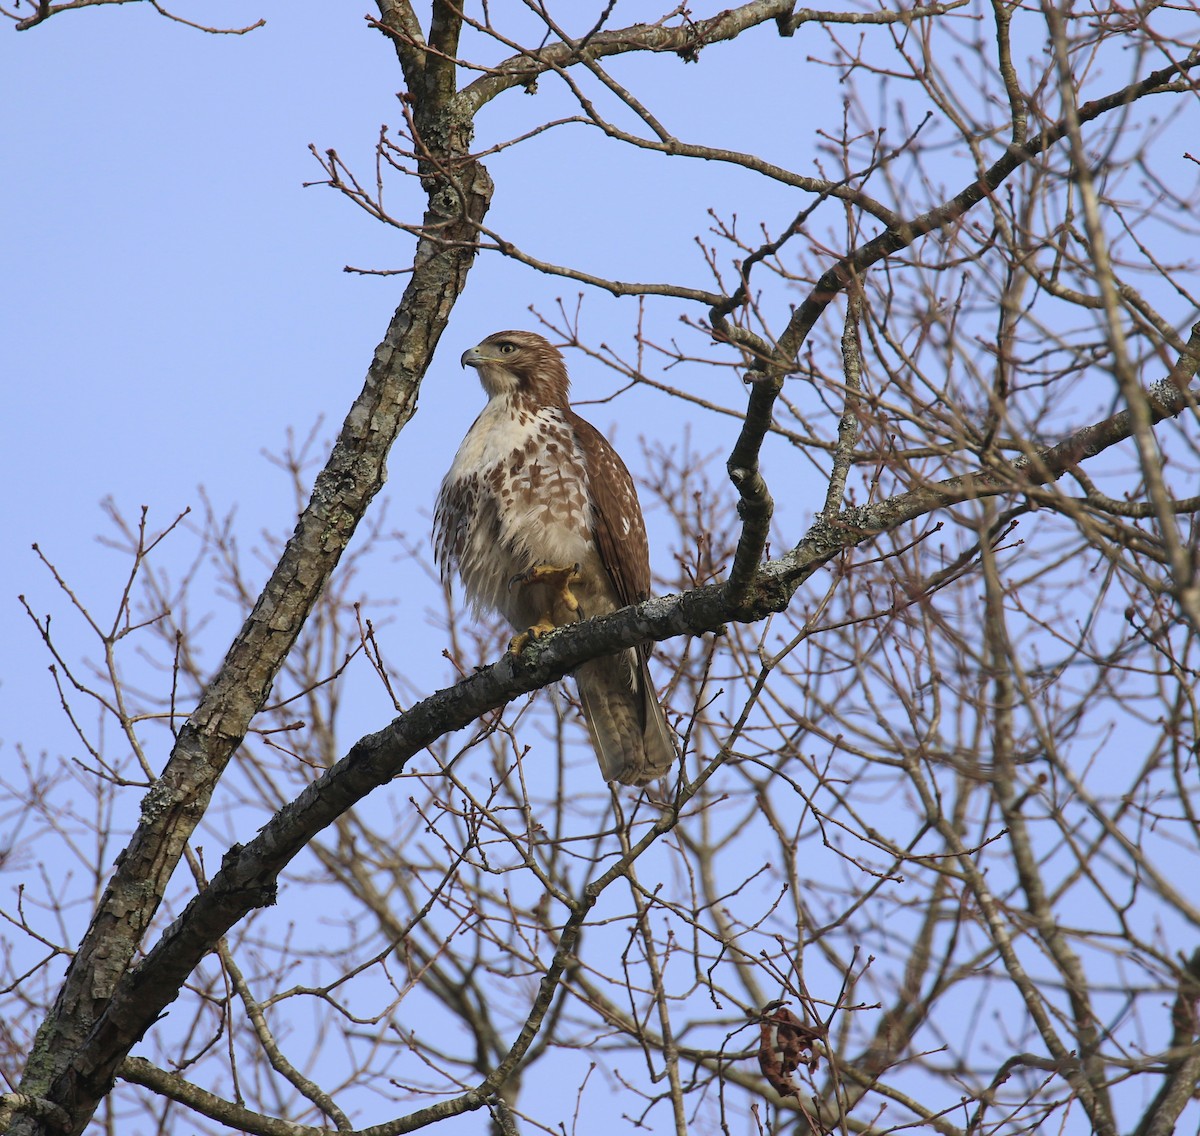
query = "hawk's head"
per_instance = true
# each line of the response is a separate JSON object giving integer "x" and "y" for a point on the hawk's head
{"x": 512, "y": 362}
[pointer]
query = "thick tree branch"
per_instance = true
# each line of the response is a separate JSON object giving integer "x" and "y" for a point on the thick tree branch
{"x": 398, "y": 21}
{"x": 755, "y": 505}
{"x": 848, "y": 424}
{"x": 685, "y": 39}
{"x": 142, "y": 1072}
{"x": 13, "y": 1105}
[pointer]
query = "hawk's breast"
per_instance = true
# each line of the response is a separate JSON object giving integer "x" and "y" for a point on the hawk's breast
{"x": 516, "y": 495}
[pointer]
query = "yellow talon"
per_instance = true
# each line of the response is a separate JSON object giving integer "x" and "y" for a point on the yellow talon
{"x": 559, "y": 578}
{"x": 519, "y": 642}
{"x": 557, "y": 603}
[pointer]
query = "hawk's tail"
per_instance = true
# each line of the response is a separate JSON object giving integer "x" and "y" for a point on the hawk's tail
{"x": 629, "y": 731}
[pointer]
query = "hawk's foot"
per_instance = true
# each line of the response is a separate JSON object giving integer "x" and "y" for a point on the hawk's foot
{"x": 557, "y": 578}
{"x": 518, "y": 643}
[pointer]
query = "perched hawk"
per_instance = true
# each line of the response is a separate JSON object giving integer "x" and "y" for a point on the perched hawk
{"x": 540, "y": 517}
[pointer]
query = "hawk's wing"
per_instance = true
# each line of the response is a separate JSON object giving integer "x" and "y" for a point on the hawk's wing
{"x": 620, "y": 531}
{"x": 626, "y": 722}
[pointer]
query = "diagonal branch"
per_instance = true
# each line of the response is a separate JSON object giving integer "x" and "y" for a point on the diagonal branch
{"x": 1182, "y": 1074}
{"x": 684, "y": 39}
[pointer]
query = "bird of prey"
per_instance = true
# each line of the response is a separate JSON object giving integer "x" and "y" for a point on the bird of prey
{"x": 540, "y": 519}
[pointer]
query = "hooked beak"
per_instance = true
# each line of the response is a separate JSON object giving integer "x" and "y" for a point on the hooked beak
{"x": 473, "y": 357}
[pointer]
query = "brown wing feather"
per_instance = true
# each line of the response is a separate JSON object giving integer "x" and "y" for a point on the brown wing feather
{"x": 617, "y": 517}
{"x": 629, "y": 731}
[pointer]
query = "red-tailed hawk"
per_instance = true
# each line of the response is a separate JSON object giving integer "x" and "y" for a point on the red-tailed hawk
{"x": 540, "y": 517}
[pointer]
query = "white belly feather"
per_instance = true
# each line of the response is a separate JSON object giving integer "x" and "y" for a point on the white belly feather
{"x": 521, "y": 485}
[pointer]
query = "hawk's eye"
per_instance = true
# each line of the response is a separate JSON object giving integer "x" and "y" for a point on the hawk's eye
{"x": 507, "y": 348}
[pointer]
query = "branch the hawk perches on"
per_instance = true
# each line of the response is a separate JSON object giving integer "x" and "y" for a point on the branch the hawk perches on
{"x": 541, "y": 520}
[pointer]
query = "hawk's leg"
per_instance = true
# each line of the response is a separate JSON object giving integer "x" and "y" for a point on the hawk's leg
{"x": 558, "y": 582}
